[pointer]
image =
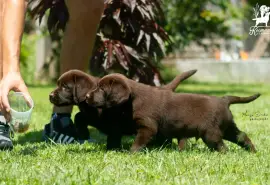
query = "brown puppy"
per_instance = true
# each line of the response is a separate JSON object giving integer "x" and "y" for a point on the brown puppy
{"x": 171, "y": 114}
{"x": 72, "y": 88}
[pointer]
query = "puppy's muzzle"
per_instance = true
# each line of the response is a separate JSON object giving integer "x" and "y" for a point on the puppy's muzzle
{"x": 52, "y": 97}
{"x": 90, "y": 100}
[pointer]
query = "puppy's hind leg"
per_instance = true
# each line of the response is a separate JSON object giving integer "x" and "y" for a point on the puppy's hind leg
{"x": 181, "y": 143}
{"x": 161, "y": 141}
{"x": 213, "y": 139}
{"x": 238, "y": 137}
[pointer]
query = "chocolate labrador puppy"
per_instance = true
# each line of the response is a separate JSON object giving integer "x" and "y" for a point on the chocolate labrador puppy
{"x": 174, "y": 115}
{"x": 72, "y": 88}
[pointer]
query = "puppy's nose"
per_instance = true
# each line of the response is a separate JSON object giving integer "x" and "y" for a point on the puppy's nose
{"x": 52, "y": 94}
{"x": 52, "y": 97}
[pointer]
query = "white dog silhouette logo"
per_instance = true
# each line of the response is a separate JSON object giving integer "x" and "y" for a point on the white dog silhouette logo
{"x": 261, "y": 14}
{"x": 264, "y": 10}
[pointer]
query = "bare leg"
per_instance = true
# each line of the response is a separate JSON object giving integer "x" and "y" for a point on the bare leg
{"x": 79, "y": 37}
{"x": 1, "y": 50}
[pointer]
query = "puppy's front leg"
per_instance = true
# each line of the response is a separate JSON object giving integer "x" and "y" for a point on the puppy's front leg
{"x": 144, "y": 135}
{"x": 81, "y": 122}
{"x": 114, "y": 142}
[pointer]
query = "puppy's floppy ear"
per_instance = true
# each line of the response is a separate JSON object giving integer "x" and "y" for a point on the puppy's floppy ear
{"x": 119, "y": 90}
{"x": 80, "y": 89}
{"x": 75, "y": 94}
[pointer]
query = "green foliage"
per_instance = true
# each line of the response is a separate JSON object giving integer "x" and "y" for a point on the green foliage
{"x": 189, "y": 21}
{"x": 186, "y": 21}
{"x": 260, "y": 2}
{"x": 35, "y": 162}
{"x": 168, "y": 73}
{"x": 28, "y": 50}
{"x": 27, "y": 58}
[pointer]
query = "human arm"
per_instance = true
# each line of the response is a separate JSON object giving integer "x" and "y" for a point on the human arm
{"x": 13, "y": 15}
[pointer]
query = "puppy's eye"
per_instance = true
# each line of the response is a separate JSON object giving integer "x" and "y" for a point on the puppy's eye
{"x": 65, "y": 87}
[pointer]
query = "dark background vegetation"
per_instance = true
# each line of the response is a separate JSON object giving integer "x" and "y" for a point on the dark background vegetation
{"x": 186, "y": 21}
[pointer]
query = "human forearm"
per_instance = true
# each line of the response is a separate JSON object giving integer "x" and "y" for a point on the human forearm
{"x": 13, "y": 25}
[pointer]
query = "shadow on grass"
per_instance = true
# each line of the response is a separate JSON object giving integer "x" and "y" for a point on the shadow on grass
{"x": 99, "y": 145}
{"x": 86, "y": 150}
{"x": 36, "y": 137}
{"x": 32, "y": 150}
{"x": 30, "y": 137}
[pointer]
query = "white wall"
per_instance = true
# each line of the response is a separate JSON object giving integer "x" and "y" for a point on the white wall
{"x": 229, "y": 72}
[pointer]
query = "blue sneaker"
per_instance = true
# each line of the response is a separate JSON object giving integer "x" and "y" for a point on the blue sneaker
{"x": 5, "y": 133}
{"x": 62, "y": 130}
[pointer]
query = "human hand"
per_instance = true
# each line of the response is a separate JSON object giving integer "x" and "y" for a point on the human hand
{"x": 11, "y": 81}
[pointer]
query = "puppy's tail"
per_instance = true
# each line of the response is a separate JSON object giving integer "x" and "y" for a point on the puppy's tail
{"x": 235, "y": 99}
{"x": 178, "y": 79}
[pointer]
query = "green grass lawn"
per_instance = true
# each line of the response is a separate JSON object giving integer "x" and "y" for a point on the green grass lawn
{"x": 34, "y": 162}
